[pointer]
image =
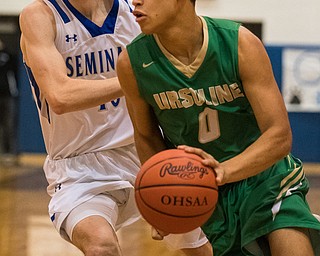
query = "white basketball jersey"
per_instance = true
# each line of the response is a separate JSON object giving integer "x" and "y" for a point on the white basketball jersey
{"x": 90, "y": 52}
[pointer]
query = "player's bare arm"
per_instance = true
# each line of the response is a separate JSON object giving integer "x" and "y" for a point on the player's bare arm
{"x": 208, "y": 160}
{"x": 63, "y": 94}
{"x": 267, "y": 103}
{"x": 269, "y": 109}
{"x": 147, "y": 134}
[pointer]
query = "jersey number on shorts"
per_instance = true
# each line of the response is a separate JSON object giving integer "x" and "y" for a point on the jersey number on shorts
{"x": 209, "y": 128}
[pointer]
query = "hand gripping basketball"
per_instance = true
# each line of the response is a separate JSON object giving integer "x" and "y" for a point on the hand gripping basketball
{"x": 175, "y": 192}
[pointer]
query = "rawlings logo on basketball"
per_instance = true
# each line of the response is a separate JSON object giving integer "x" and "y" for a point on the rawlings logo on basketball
{"x": 186, "y": 172}
{"x": 175, "y": 187}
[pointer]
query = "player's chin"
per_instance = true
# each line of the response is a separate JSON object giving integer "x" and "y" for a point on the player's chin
{"x": 145, "y": 30}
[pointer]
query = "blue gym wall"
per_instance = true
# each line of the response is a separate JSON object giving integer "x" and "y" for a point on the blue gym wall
{"x": 29, "y": 132}
{"x": 305, "y": 126}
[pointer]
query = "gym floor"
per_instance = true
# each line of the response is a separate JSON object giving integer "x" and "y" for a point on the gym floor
{"x": 26, "y": 230}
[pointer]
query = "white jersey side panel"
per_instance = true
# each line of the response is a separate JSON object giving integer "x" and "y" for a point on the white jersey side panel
{"x": 90, "y": 52}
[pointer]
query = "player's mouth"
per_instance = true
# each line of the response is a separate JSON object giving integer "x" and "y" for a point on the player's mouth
{"x": 139, "y": 15}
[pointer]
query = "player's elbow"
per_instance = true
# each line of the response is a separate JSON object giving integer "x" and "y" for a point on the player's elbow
{"x": 58, "y": 104}
{"x": 284, "y": 143}
{"x": 58, "y": 108}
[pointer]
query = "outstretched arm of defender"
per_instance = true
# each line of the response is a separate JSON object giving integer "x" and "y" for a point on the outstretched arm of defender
{"x": 64, "y": 94}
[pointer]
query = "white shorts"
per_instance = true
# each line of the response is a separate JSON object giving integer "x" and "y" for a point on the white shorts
{"x": 101, "y": 184}
{"x": 74, "y": 181}
{"x": 108, "y": 205}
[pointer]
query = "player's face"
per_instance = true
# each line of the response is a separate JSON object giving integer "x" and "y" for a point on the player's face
{"x": 154, "y": 16}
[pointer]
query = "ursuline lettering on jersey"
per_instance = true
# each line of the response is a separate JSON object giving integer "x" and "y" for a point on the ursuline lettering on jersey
{"x": 90, "y": 63}
{"x": 188, "y": 97}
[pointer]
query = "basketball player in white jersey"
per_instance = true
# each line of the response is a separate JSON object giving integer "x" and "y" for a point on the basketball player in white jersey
{"x": 70, "y": 49}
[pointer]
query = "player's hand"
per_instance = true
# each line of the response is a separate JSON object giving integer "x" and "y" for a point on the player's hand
{"x": 208, "y": 160}
{"x": 158, "y": 234}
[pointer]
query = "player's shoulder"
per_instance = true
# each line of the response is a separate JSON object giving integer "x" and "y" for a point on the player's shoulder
{"x": 36, "y": 20}
{"x": 139, "y": 41}
{"x": 140, "y": 38}
{"x": 35, "y": 11}
{"x": 222, "y": 23}
{"x": 34, "y": 6}
{"x": 123, "y": 59}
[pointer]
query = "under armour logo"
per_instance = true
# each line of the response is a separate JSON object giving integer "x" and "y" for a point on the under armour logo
{"x": 69, "y": 38}
{"x": 57, "y": 187}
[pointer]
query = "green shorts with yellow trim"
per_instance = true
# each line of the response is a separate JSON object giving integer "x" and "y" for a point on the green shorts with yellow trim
{"x": 250, "y": 209}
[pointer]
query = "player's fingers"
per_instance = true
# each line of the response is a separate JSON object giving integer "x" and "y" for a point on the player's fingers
{"x": 219, "y": 180}
{"x": 157, "y": 234}
{"x": 219, "y": 177}
{"x": 211, "y": 162}
{"x": 208, "y": 159}
{"x": 197, "y": 151}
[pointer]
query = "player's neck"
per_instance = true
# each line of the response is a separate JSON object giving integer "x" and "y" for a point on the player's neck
{"x": 93, "y": 10}
{"x": 183, "y": 42}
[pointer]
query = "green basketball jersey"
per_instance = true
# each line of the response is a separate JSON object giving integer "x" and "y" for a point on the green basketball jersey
{"x": 208, "y": 110}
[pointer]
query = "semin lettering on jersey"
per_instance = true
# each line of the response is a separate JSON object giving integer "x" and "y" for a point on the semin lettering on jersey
{"x": 90, "y": 63}
{"x": 188, "y": 97}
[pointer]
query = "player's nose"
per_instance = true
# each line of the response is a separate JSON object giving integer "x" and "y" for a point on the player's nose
{"x": 137, "y": 2}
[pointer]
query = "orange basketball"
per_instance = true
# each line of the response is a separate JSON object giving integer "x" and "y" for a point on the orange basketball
{"x": 175, "y": 192}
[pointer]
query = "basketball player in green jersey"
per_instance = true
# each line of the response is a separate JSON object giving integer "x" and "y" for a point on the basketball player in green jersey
{"x": 206, "y": 86}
